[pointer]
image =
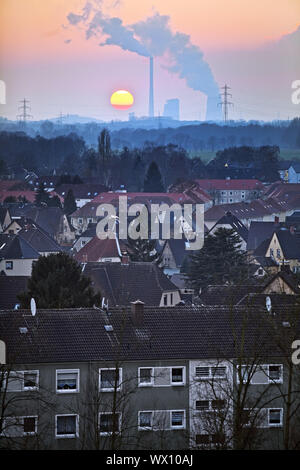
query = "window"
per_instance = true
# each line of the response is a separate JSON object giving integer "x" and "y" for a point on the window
{"x": 31, "y": 380}
{"x": 271, "y": 252}
{"x": 275, "y": 417}
{"x": 275, "y": 373}
{"x": 18, "y": 426}
{"x": 83, "y": 242}
{"x": 66, "y": 425}
{"x": 67, "y": 380}
{"x": 109, "y": 379}
{"x": 177, "y": 419}
{"x": 165, "y": 299}
{"x": 80, "y": 221}
{"x": 9, "y": 265}
{"x": 177, "y": 376}
{"x": 30, "y": 425}
{"x": 145, "y": 376}
{"x": 218, "y": 404}
{"x": 109, "y": 422}
{"x": 278, "y": 253}
{"x": 261, "y": 374}
{"x": 208, "y": 372}
{"x": 145, "y": 419}
{"x": 19, "y": 381}
{"x": 202, "y": 405}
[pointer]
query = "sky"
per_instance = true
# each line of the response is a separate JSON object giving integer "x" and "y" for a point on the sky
{"x": 69, "y": 56}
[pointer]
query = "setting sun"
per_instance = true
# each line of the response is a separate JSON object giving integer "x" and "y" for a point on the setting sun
{"x": 121, "y": 99}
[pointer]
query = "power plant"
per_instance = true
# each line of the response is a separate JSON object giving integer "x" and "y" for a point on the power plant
{"x": 151, "y": 97}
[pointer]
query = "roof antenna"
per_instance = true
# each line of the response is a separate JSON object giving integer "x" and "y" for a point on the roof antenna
{"x": 33, "y": 307}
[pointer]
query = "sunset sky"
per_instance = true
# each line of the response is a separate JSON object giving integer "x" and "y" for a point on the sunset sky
{"x": 253, "y": 46}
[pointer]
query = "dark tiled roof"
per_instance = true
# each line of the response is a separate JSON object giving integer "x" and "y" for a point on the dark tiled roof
{"x": 90, "y": 231}
{"x": 289, "y": 243}
{"x": 15, "y": 247}
{"x": 259, "y": 232}
{"x": 288, "y": 277}
{"x": 178, "y": 249}
{"x": 81, "y": 191}
{"x": 39, "y": 239}
{"x": 10, "y": 287}
{"x": 97, "y": 249}
{"x": 261, "y": 250}
{"x": 77, "y": 335}
{"x": 122, "y": 283}
{"x": 48, "y": 218}
{"x": 235, "y": 223}
{"x": 277, "y": 300}
{"x": 226, "y": 295}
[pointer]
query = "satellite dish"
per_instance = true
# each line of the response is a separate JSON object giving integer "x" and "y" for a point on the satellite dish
{"x": 33, "y": 307}
{"x": 268, "y": 304}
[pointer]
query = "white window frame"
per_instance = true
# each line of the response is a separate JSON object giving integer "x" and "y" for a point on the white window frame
{"x": 183, "y": 419}
{"x": 67, "y": 436}
{"x": 109, "y": 433}
{"x": 257, "y": 369}
{"x": 211, "y": 376}
{"x": 9, "y": 263}
{"x": 275, "y": 425}
{"x": 111, "y": 389}
{"x": 210, "y": 407}
{"x": 35, "y": 427}
{"x": 169, "y": 414}
{"x": 145, "y": 428}
{"x": 146, "y": 384}
{"x": 21, "y": 423}
{"x": 68, "y": 371}
{"x": 175, "y": 384}
{"x": 20, "y": 376}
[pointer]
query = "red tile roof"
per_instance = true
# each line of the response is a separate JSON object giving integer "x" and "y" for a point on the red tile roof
{"x": 30, "y": 195}
{"x": 97, "y": 249}
{"x": 231, "y": 184}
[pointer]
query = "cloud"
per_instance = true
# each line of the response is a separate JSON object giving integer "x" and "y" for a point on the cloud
{"x": 153, "y": 37}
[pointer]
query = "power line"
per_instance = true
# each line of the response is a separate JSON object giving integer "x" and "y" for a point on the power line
{"x": 225, "y": 103}
{"x": 24, "y": 115}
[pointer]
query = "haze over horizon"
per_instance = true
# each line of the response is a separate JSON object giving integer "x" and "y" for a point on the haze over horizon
{"x": 61, "y": 59}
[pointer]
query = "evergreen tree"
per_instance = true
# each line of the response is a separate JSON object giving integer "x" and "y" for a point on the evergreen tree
{"x": 104, "y": 148}
{"x": 220, "y": 261}
{"x": 153, "y": 181}
{"x": 69, "y": 203}
{"x": 142, "y": 250}
{"x": 57, "y": 282}
{"x": 41, "y": 196}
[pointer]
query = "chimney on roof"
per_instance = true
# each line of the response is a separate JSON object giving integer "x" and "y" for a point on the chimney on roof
{"x": 292, "y": 230}
{"x": 137, "y": 312}
{"x": 276, "y": 219}
{"x": 124, "y": 257}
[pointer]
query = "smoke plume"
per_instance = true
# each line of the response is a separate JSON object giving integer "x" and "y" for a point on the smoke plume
{"x": 153, "y": 37}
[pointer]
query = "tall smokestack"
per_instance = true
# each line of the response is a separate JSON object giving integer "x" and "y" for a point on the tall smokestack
{"x": 151, "y": 104}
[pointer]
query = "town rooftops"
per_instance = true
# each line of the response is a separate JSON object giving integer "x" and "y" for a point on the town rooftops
{"x": 97, "y": 249}
{"x": 10, "y": 287}
{"x": 81, "y": 191}
{"x": 39, "y": 239}
{"x": 235, "y": 223}
{"x": 15, "y": 247}
{"x": 260, "y": 231}
{"x": 122, "y": 283}
{"x": 229, "y": 184}
{"x": 183, "y": 333}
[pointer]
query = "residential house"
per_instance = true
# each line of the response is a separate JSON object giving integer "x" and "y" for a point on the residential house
{"x": 172, "y": 255}
{"x": 284, "y": 248}
{"x": 91, "y": 213}
{"x": 229, "y": 191}
{"x": 122, "y": 283}
{"x": 5, "y": 218}
{"x": 101, "y": 251}
{"x": 16, "y": 256}
{"x": 174, "y": 373}
{"x": 85, "y": 237}
{"x": 51, "y": 219}
{"x": 83, "y": 193}
{"x": 294, "y": 173}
